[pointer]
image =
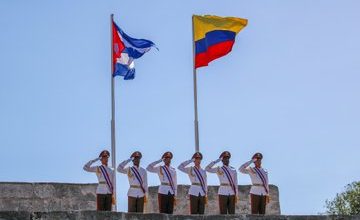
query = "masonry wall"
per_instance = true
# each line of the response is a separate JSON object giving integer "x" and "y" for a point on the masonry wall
{"x": 64, "y": 201}
{"x": 94, "y": 215}
{"x": 45, "y": 197}
{"x": 40, "y": 197}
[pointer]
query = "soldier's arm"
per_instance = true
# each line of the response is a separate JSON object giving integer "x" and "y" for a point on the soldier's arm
{"x": 122, "y": 166}
{"x": 153, "y": 168}
{"x": 267, "y": 179}
{"x": 182, "y": 167}
{"x": 236, "y": 183}
{"x": 175, "y": 183}
{"x": 245, "y": 167}
{"x": 87, "y": 167}
{"x": 209, "y": 168}
{"x": 145, "y": 183}
{"x": 206, "y": 185}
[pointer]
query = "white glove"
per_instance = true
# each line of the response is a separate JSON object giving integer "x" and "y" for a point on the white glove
{"x": 218, "y": 160}
{"x": 161, "y": 160}
{"x": 96, "y": 159}
{"x": 192, "y": 160}
{"x": 254, "y": 160}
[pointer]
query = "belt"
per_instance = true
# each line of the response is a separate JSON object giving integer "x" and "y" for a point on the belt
{"x": 224, "y": 184}
{"x": 196, "y": 184}
{"x": 257, "y": 184}
{"x": 102, "y": 182}
{"x": 165, "y": 184}
{"x": 135, "y": 186}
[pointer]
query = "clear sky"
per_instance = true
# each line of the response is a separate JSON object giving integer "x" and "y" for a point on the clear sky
{"x": 290, "y": 89}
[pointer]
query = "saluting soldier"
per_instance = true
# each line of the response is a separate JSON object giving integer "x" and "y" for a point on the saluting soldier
{"x": 259, "y": 192}
{"x": 138, "y": 182}
{"x": 198, "y": 188}
{"x": 105, "y": 175}
{"x": 168, "y": 187}
{"x": 228, "y": 190}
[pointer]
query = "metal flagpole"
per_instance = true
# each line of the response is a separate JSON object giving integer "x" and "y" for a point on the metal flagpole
{"x": 113, "y": 145}
{"x": 196, "y": 122}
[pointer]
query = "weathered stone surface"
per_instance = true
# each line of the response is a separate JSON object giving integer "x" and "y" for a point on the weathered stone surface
{"x": 212, "y": 208}
{"x": 13, "y": 215}
{"x": 12, "y": 190}
{"x": 39, "y": 197}
{"x": 94, "y": 215}
{"x": 47, "y": 197}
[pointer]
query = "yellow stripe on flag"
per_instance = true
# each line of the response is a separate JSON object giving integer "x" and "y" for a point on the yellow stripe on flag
{"x": 207, "y": 23}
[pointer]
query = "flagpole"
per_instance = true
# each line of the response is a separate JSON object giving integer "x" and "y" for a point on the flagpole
{"x": 196, "y": 121}
{"x": 113, "y": 143}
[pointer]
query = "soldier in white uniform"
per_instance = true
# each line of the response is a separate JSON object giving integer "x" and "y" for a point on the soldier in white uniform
{"x": 138, "y": 182}
{"x": 228, "y": 190}
{"x": 168, "y": 188}
{"x": 105, "y": 175}
{"x": 198, "y": 188}
{"x": 259, "y": 192}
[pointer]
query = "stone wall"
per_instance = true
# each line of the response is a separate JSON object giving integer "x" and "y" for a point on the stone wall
{"x": 44, "y": 197}
{"x": 212, "y": 208}
{"x": 40, "y": 197}
{"x": 59, "y": 201}
{"x": 94, "y": 215}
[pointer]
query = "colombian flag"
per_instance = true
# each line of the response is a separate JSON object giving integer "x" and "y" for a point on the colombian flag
{"x": 214, "y": 37}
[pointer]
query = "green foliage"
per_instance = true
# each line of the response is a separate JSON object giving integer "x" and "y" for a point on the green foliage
{"x": 347, "y": 202}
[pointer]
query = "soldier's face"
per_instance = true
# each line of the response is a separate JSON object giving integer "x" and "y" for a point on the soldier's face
{"x": 104, "y": 159}
{"x": 226, "y": 160}
{"x": 197, "y": 161}
{"x": 136, "y": 161}
{"x": 167, "y": 160}
{"x": 258, "y": 163}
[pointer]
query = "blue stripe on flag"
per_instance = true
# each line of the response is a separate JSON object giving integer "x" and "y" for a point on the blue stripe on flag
{"x": 125, "y": 71}
{"x": 213, "y": 37}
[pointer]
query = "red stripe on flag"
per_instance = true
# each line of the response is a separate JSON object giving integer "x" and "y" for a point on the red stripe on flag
{"x": 118, "y": 45}
{"x": 213, "y": 52}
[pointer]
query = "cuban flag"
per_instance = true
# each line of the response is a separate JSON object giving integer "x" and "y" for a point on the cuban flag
{"x": 125, "y": 50}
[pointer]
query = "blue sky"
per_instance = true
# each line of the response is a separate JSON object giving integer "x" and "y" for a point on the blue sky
{"x": 290, "y": 89}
